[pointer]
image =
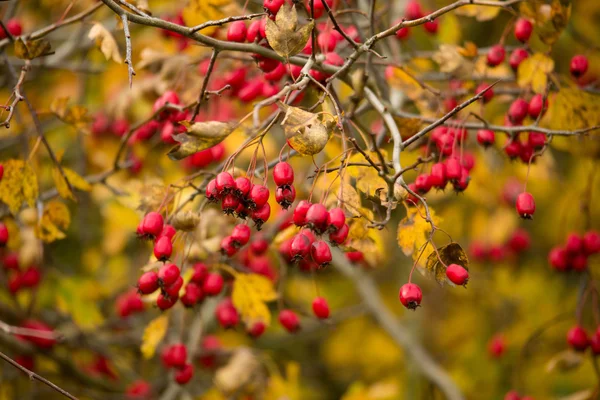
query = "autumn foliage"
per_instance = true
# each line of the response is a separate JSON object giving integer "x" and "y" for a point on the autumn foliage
{"x": 308, "y": 199}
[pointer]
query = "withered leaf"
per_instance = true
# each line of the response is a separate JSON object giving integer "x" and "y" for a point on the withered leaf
{"x": 564, "y": 361}
{"x": 185, "y": 221}
{"x": 284, "y": 36}
{"x": 199, "y": 136}
{"x": 452, "y": 253}
{"x": 305, "y": 132}
{"x": 106, "y": 42}
{"x": 32, "y": 48}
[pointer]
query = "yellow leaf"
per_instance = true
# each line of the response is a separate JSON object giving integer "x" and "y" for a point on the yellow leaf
{"x": 153, "y": 334}
{"x": 76, "y": 181}
{"x": 550, "y": 19}
{"x": 249, "y": 294}
{"x": 284, "y": 36}
{"x": 79, "y": 299}
{"x": 18, "y": 185}
{"x": 200, "y": 136}
{"x": 534, "y": 70}
{"x": 450, "y": 59}
{"x": 413, "y": 231}
{"x": 200, "y": 11}
{"x": 54, "y": 221}
{"x": 304, "y": 131}
{"x": 367, "y": 178}
{"x": 481, "y": 13}
{"x": 450, "y": 29}
{"x": 287, "y": 386}
{"x": 444, "y": 256}
{"x": 106, "y": 42}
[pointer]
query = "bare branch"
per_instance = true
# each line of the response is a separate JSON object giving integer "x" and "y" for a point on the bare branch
{"x": 128, "y": 61}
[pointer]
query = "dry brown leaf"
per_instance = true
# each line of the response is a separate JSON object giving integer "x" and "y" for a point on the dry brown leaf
{"x": 199, "y": 136}
{"x": 31, "y": 48}
{"x": 284, "y": 36}
{"x": 106, "y": 42}
{"x": 452, "y": 253}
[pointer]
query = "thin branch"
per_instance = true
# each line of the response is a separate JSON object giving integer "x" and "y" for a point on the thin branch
{"x": 224, "y": 21}
{"x": 128, "y": 61}
{"x": 201, "y": 96}
{"x": 32, "y": 375}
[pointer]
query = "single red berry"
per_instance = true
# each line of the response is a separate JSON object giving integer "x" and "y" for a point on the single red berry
{"x": 14, "y": 27}
{"x": 340, "y": 236}
{"x": 423, "y": 184}
{"x": 519, "y": 241}
{"x": 241, "y": 234}
{"x": 319, "y": 8}
{"x": 138, "y": 390}
{"x": 438, "y": 176}
{"x": 432, "y": 26}
{"x": 413, "y": 10}
{"x": 527, "y": 153}
{"x": 512, "y": 395}
{"x": 320, "y": 308}
{"x": 321, "y": 253}
{"x": 169, "y": 97}
{"x": 523, "y": 30}
{"x": 450, "y": 103}
{"x": 410, "y": 295}
{"x": 148, "y": 282}
{"x": 129, "y": 303}
{"x": 536, "y": 140}
{"x": 164, "y": 302}
{"x": 285, "y": 196}
{"x": 259, "y": 195}
{"x": 224, "y": 182}
{"x": 486, "y": 137}
{"x": 184, "y": 374}
{"x": 516, "y": 57}
{"x": 457, "y": 274}
{"x": 327, "y": 41}
{"x": 403, "y": 33}
{"x": 461, "y": 184}
{"x": 579, "y": 65}
{"x": 577, "y": 338}
{"x": 259, "y": 246}
{"x": 289, "y": 320}
{"x": 273, "y": 5}
{"x": 574, "y": 244}
{"x": 200, "y": 273}
{"x": 212, "y": 193}
{"x": 11, "y": 261}
{"x": 230, "y": 203}
{"x": 168, "y": 274}
{"x": 478, "y": 251}
{"x": 261, "y": 215}
{"x": 242, "y": 186}
{"x": 513, "y": 148}
{"x": 168, "y": 231}
{"x": 595, "y": 343}
{"x": 237, "y": 32}
{"x": 237, "y": 77}
{"x": 453, "y": 169}
{"x": 275, "y": 75}
{"x": 558, "y": 259}
{"x": 299, "y": 215}
{"x": 283, "y": 174}
{"x": 163, "y": 248}
{"x": 497, "y": 346}
{"x": 591, "y": 242}
{"x": 193, "y": 294}
{"x": 120, "y": 127}
{"x": 213, "y": 284}
{"x": 257, "y": 329}
{"x": 152, "y": 224}
{"x": 537, "y": 105}
{"x": 300, "y": 247}
{"x": 173, "y": 290}
{"x": 355, "y": 256}
{"x": 336, "y": 218}
{"x": 316, "y": 217}
{"x": 525, "y": 205}
{"x": 226, "y": 314}
{"x": 496, "y": 55}
{"x": 266, "y": 65}
{"x": 3, "y": 235}
{"x": 488, "y": 92}
{"x": 518, "y": 110}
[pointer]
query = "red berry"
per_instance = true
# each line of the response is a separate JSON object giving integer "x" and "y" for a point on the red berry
{"x": 577, "y": 338}
{"x": 213, "y": 284}
{"x": 486, "y": 137}
{"x": 226, "y": 314}
{"x": 274, "y": 76}
{"x": 488, "y": 92}
{"x": 120, "y": 127}
{"x": 163, "y": 248}
{"x": 574, "y": 244}
{"x": 432, "y": 26}
{"x": 316, "y": 217}
{"x": 512, "y": 395}
{"x": 516, "y": 57}
{"x": 423, "y": 184}
{"x": 299, "y": 215}
{"x": 523, "y": 30}
{"x": 496, "y": 346}
{"x": 193, "y": 294}
{"x": 1, "y": 171}
{"x": 40, "y": 341}
{"x": 173, "y": 290}
{"x": 289, "y": 320}
{"x": 259, "y": 195}
{"x": 174, "y": 355}
{"x": 169, "y": 97}
{"x": 283, "y": 174}
{"x": 259, "y": 246}
{"x": 410, "y": 295}
{"x": 457, "y": 274}
{"x": 320, "y": 308}
{"x": 164, "y": 302}
{"x": 273, "y": 5}
{"x": 413, "y": 10}
{"x": 496, "y": 55}
{"x": 152, "y": 224}
{"x": 230, "y": 203}
{"x": 525, "y": 205}
{"x": 237, "y": 32}
{"x": 300, "y": 247}
{"x": 168, "y": 274}
{"x": 327, "y": 41}
{"x": 450, "y": 103}
{"x": 513, "y": 148}
{"x": 242, "y": 186}
{"x": 518, "y": 110}
{"x": 285, "y": 196}
{"x": 478, "y": 251}
{"x": 595, "y": 343}
{"x": 212, "y": 194}
{"x": 14, "y": 27}
{"x": 403, "y": 33}
{"x": 241, "y": 235}
{"x": 224, "y": 182}
{"x": 148, "y": 282}
{"x": 336, "y": 218}
{"x": 200, "y": 273}
{"x": 267, "y": 65}
{"x": 320, "y": 253}
{"x": 537, "y": 105}
{"x": 257, "y": 329}
{"x": 319, "y": 8}
{"x": 261, "y": 215}
{"x": 558, "y": 259}
{"x": 536, "y": 140}
{"x": 591, "y": 242}
{"x": 138, "y": 390}
{"x": 579, "y": 65}
{"x": 355, "y": 256}
{"x": 340, "y": 236}
{"x": 184, "y": 374}
{"x": 438, "y": 176}
{"x": 237, "y": 77}
{"x": 519, "y": 241}
{"x": 3, "y": 235}
{"x": 168, "y": 231}
{"x": 453, "y": 169}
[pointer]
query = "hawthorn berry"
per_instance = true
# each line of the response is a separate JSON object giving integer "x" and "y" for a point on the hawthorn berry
{"x": 3, "y": 235}
{"x": 184, "y": 374}
{"x": 486, "y": 137}
{"x": 573, "y": 244}
{"x": 403, "y": 33}
{"x": 518, "y": 110}
{"x": 410, "y": 296}
{"x": 299, "y": 214}
{"x": 242, "y": 186}
{"x": 413, "y": 10}
{"x": 558, "y": 259}
{"x": 523, "y": 30}
{"x": 512, "y": 395}
{"x": 173, "y": 290}
{"x": 339, "y": 237}
{"x": 257, "y": 329}
{"x": 226, "y": 314}
{"x": 591, "y": 242}
{"x": 230, "y": 203}
{"x": 537, "y": 105}
{"x": 438, "y": 176}
{"x": 320, "y": 253}
{"x": 273, "y": 6}
{"x": 283, "y": 174}
{"x": 237, "y": 32}
{"x": 261, "y": 215}
{"x": 224, "y": 183}
{"x": 259, "y": 246}
{"x": 139, "y": 389}
{"x": 169, "y": 97}
{"x": 163, "y": 248}
{"x": 274, "y": 76}
{"x": 168, "y": 231}
{"x": 213, "y": 284}
{"x": 320, "y": 308}
{"x": 40, "y": 341}
{"x": 148, "y": 282}
{"x": 423, "y": 184}
{"x": 457, "y": 274}
{"x": 453, "y": 169}
{"x": 519, "y": 241}
{"x": 1, "y": 171}
{"x": 241, "y": 235}
{"x": 300, "y": 247}
{"x": 14, "y": 27}
{"x": 432, "y": 26}
{"x": 579, "y": 65}
{"x": 285, "y": 196}
{"x": 211, "y": 192}
{"x": 200, "y": 272}
{"x": 595, "y": 342}
{"x": 168, "y": 274}
{"x": 496, "y": 346}
{"x": 488, "y": 92}
{"x": 355, "y": 256}
{"x": 193, "y": 294}
{"x": 316, "y": 217}
{"x": 228, "y": 246}
{"x": 319, "y": 8}
{"x": 289, "y": 320}
{"x": 513, "y": 148}
{"x": 516, "y": 57}
{"x": 336, "y": 218}
{"x": 259, "y": 195}
{"x": 525, "y": 205}
{"x": 152, "y": 224}
{"x": 577, "y": 338}
{"x": 496, "y": 55}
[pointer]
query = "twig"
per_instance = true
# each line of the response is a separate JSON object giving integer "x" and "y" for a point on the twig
{"x": 16, "y": 91}
{"x": 224, "y": 21}
{"x": 32, "y": 375}
{"x": 211, "y": 65}
{"x": 128, "y": 61}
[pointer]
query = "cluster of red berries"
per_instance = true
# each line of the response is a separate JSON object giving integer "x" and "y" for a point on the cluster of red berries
{"x": 129, "y": 303}
{"x": 578, "y": 339}
{"x": 413, "y": 10}
{"x": 283, "y": 175}
{"x": 13, "y": 26}
{"x": 573, "y": 255}
{"x": 240, "y": 197}
{"x": 204, "y": 158}
{"x": 519, "y": 242}
{"x": 152, "y": 227}
{"x": 103, "y": 125}
{"x": 410, "y": 294}
{"x": 175, "y": 356}
{"x": 514, "y": 395}
{"x": 497, "y": 53}
{"x": 18, "y": 279}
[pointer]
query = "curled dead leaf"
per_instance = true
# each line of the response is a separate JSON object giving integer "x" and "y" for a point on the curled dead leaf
{"x": 106, "y": 42}
{"x": 304, "y": 131}
{"x": 30, "y": 49}
{"x": 284, "y": 36}
{"x": 185, "y": 221}
{"x": 199, "y": 136}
